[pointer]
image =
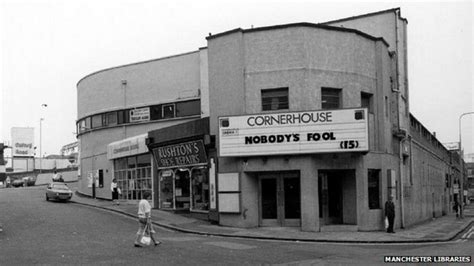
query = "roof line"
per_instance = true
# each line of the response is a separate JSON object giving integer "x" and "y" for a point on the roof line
{"x": 299, "y": 24}
{"x": 368, "y": 15}
{"x": 136, "y": 63}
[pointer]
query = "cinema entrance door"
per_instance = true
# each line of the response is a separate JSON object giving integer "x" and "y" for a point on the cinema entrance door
{"x": 279, "y": 199}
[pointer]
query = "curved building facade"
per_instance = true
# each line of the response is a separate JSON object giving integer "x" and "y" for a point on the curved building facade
{"x": 298, "y": 125}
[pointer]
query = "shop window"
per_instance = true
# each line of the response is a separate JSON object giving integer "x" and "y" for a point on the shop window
{"x": 168, "y": 111}
{"x": 200, "y": 189}
{"x": 330, "y": 98}
{"x": 366, "y": 101}
{"x": 275, "y": 99}
{"x": 188, "y": 108}
{"x": 133, "y": 176}
{"x": 374, "y": 188}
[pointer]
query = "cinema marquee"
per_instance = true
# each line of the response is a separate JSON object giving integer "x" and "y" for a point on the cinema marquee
{"x": 323, "y": 131}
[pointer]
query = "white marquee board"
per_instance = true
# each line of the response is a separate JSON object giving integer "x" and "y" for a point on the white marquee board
{"x": 322, "y": 131}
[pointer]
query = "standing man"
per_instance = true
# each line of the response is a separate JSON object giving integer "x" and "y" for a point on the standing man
{"x": 390, "y": 213}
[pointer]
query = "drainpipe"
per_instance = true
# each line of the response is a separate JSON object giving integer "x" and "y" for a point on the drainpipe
{"x": 402, "y": 141}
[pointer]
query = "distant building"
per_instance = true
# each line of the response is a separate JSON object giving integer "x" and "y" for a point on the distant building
{"x": 303, "y": 125}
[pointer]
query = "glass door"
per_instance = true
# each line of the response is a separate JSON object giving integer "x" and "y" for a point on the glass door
{"x": 280, "y": 199}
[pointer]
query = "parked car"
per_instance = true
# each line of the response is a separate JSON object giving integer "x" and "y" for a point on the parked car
{"x": 29, "y": 180}
{"x": 17, "y": 183}
{"x": 58, "y": 191}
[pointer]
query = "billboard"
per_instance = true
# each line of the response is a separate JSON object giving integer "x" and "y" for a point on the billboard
{"x": 23, "y": 141}
{"x": 322, "y": 131}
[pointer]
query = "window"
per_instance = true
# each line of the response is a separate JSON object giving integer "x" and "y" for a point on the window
{"x": 123, "y": 116}
{"x": 188, "y": 108}
{"x": 330, "y": 98}
{"x": 111, "y": 119}
{"x": 366, "y": 101}
{"x": 156, "y": 112}
{"x": 386, "y": 106}
{"x": 168, "y": 111}
{"x": 275, "y": 99}
{"x": 96, "y": 121}
{"x": 133, "y": 176}
{"x": 373, "y": 176}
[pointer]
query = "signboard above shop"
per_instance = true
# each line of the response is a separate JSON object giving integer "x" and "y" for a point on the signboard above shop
{"x": 185, "y": 154}
{"x": 127, "y": 147}
{"x": 323, "y": 131}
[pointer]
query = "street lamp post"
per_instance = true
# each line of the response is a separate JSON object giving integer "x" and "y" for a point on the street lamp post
{"x": 41, "y": 165}
{"x": 461, "y": 192}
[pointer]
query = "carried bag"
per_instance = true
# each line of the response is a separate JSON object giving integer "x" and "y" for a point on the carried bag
{"x": 386, "y": 222}
{"x": 146, "y": 239}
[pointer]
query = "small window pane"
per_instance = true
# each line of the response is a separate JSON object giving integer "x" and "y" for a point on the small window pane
{"x": 168, "y": 111}
{"x": 112, "y": 118}
{"x": 96, "y": 121}
{"x": 275, "y": 99}
{"x": 156, "y": 112}
{"x": 330, "y": 98}
{"x": 188, "y": 108}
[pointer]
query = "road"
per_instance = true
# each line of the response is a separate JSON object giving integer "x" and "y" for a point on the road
{"x": 58, "y": 233}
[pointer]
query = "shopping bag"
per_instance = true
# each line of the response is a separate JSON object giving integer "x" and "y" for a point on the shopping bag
{"x": 146, "y": 239}
{"x": 386, "y": 223}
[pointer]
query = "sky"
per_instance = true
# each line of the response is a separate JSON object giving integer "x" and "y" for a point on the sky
{"x": 48, "y": 46}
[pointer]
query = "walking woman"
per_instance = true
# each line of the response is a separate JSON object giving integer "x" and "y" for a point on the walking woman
{"x": 115, "y": 191}
{"x": 144, "y": 220}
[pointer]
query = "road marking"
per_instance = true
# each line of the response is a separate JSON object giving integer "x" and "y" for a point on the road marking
{"x": 179, "y": 239}
{"x": 469, "y": 233}
{"x": 230, "y": 245}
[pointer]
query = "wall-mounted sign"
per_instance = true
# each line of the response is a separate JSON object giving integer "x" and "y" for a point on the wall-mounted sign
{"x": 180, "y": 155}
{"x": 140, "y": 114}
{"x": 23, "y": 141}
{"x": 127, "y": 147}
{"x": 321, "y": 131}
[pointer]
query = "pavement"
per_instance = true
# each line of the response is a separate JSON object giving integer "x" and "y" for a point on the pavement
{"x": 441, "y": 229}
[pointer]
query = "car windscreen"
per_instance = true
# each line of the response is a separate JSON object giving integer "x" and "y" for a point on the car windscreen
{"x": 60, "y": 187}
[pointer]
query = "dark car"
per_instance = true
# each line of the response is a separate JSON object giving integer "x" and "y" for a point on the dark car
{"x": 58, "y": 191}
{"x": 29, "y": 180}
{"x": 17, "y": 183}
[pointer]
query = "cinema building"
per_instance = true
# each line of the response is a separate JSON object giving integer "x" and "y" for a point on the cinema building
{"x": 297, "y": 125}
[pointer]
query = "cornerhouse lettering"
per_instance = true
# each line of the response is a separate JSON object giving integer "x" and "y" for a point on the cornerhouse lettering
{"x": 295, "y": 118}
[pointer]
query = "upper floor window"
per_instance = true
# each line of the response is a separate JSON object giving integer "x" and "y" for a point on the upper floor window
{"x": 331, "y": 98}
{"x": 96, "y": 121}
{"x": 168, "y": 111}
{"x": 188, "y": 108}
{"x": 366, "y": 101}
{"x": 275, "y": 99}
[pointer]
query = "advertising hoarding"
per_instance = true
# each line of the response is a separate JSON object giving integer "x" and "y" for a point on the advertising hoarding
{"x": 23, "y": 141}
{"x": 140, "y": 114}
{"x": 322, "y": 131}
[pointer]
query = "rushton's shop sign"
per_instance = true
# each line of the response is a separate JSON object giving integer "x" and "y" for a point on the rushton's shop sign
{"x": 190, "y": 153}
{"x": 323, "y": 131}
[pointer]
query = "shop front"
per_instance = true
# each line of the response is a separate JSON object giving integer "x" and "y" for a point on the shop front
{"x": 185, "y": 168}
{"x": 132, "y": 165}
{"x": 183, "y": 176}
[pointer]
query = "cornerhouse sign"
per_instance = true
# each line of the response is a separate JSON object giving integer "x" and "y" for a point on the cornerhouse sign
{"x": 181, "y": 155}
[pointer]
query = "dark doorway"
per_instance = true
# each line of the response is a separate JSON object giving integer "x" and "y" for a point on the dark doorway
{"x": 280, "y": 199}
{"x": 337, "y": 197}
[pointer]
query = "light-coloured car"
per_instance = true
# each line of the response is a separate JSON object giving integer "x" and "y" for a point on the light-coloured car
{"x": 58, "y": 191}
